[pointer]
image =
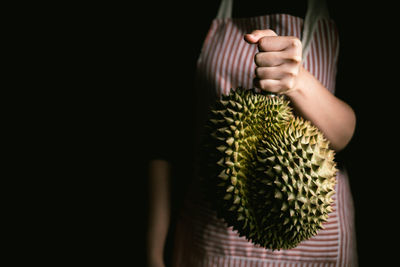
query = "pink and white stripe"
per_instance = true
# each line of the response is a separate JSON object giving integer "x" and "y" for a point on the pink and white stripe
{"x": 226, "y": 62}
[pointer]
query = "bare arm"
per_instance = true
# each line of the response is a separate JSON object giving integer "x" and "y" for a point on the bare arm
{"x": 332, "y": 116}
{"x": 159, "y": 211}
{"x": 279, "y": 70}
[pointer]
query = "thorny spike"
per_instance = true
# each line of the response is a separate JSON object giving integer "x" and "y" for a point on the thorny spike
{"x": 271, "y": 174}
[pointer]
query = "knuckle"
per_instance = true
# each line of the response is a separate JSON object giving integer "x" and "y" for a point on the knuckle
{"x": 256, "y": 32}
{"x": 287, "y": 85}
{"x": 270, "y": 32}
{"x": 266, "y": 32}
{"x": 291, "y": 73}
{"x": 295, "y": 42}
{"x": 295, "y": 58}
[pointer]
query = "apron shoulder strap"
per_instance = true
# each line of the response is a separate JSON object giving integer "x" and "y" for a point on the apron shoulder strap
{"x": 225, "y": 9}
{"x": 316, "y": 9}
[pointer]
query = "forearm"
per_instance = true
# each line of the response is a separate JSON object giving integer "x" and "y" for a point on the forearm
{"x": 159, "y": 209}
{"x": 332, "y": 116}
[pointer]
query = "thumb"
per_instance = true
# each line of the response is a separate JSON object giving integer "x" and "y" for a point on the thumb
{"x": 256, "y": 35}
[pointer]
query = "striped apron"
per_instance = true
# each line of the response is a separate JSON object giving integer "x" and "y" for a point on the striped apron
{"x": 227, "y": 61}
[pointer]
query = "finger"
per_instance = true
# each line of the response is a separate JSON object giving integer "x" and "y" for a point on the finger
{"x": 278, "y": 43}
{"x": 276, "y": 73}
{"x": 256, "y": 35}
{"x": 269, "y": 73}
{"x": 272, "y": 59}
{"x": 268, "y": 59}
{"x": 269, "y": 85}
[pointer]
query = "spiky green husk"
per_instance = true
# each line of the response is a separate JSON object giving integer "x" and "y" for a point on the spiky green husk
{"x": 271, "y": 175}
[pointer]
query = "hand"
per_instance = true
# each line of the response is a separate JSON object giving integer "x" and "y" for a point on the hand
{"x": 278, "y": 61}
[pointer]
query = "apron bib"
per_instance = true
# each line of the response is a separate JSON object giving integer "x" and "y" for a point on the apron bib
{"x": 226, "y": 61}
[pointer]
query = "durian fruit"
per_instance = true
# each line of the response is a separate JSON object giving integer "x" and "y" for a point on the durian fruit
{"x": 270, "y": 175}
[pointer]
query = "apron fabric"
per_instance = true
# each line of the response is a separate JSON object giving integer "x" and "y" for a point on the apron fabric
{"x": 227, "y": 61}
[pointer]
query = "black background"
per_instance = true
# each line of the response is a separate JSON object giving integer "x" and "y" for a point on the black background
{"x": 107, "y": 87}
{"x": 166, "y": 45}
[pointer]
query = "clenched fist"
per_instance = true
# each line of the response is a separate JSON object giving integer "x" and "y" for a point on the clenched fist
{"x": 278, "y": 61}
